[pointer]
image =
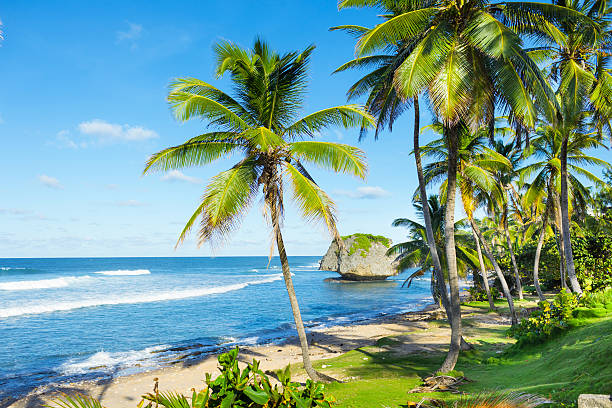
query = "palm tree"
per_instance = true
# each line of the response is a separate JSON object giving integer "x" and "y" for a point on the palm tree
{"x": 476, "y": 166}
{"x": 505, "y": 179}
{"x": 386, "y": 105}
{"x": 579, "y": 53}
{"x": 466, "y": 61}
{"x": 547, "y": 149}
{"x": 415, "y": 253}
{"x": 261, "y": 124}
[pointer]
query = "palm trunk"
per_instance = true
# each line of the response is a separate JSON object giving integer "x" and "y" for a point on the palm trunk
{"x": 295, "y": 308}
{"x": 517, "y": 277}
{"x": 483, "y": 271}
{"x": 565, "y": 224}
{"x": 536, "y": 261}
{"x": 431, "y": 243}
{"x": 561, "y": 249}
{"x": 451, "y": 255}
{"x": 498, "y": 271}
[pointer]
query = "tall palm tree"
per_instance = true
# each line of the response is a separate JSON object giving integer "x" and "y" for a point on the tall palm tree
{"x": 261, "y": 124}
{"x": 545, "y": 172}
{"x": 476, "y": 165}
{"x": 466, "y": 61}
{"x": 386, "y": 105}
{"x": 579, "y": 52}
{"x": 505, "y": 179}
{"x": 415, "y": 253}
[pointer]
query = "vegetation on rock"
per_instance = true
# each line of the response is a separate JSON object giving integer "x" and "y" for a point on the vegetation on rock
{"x": 363, "y": 242}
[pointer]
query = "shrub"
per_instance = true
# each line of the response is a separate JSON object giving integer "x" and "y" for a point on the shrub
{"x": 479, "y": 294}
{"x": 593, "y": 260}
{"x": 250, "y": 387}
{"x": 564, "y": 312}
{"x": 549, "y": 319}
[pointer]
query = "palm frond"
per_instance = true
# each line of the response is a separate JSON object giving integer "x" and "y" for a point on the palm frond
{"x": 340, "y": 158}
{"x": 226, "y": 197}
{"x": 314, "y": 204}
{"x": 197, "y": 151}
{"x": 346, "y": 116}
{"x": 396, "y": 29}
{"x": 75, "y": 401}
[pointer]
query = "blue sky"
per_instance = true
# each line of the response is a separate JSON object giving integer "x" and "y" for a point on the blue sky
{"x": 82, "y": 105}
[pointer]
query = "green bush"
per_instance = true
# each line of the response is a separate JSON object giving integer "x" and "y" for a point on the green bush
{"x": 250, "y": 388}
{"x": 549, "y": 319}
{"x": 564, "y": 312}
{"x": 479, "y": 294}
{"x": 593, "y": 260}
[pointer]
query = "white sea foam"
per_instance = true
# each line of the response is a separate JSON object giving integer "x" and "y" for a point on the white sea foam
{"x": 9, "y": 268}
{"x": 140, "y": 298}
{"x": 125, "y": 272}
{"x": 43, "y": 284}
{"x": 111, "y": 361}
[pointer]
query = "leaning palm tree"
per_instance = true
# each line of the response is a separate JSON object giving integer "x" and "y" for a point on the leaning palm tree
{"x": 505, "y": 178}
{"x": 261, "y": 124}
{"x": 415, "y": 253}
{"x": 467, "y": 59}
{"x": 476, "y": 166}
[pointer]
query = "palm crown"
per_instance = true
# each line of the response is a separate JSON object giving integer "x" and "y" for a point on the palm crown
{"x": 261, "y": 123}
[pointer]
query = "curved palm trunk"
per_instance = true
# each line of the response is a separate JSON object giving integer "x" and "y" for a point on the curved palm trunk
{"x": 451, "y": 256}
{"x": 565, "y": 224}
{"x": 498, "y": 271}
{"x": 536, "y": 261}
{"x": 295, "y": 308}
{"x": 517, "y": 277}
{"x": 431, "y": 243}
{"x": 483, "y": 271}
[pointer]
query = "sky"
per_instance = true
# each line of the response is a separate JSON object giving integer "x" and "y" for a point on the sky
{"x": 83, "y": 89}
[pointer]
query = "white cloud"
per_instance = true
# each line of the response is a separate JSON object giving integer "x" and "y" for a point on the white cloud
{"x": 176, "y": 175}
{"x": 112, "y": 132}
{"x": 364, "y": 193}
{"x": 50, "y": 182}
{"x": 131, "y": 35}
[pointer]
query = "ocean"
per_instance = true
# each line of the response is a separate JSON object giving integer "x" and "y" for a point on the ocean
{"x": 66, "y": 320}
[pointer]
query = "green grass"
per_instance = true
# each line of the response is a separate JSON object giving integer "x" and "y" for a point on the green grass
{"x": 579, "y": 361}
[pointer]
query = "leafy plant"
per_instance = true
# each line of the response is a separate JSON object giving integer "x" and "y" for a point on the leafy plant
{"x": 477, "y": 293}
{"x": 549, "y": 319}
{"x": 249, "y": 387}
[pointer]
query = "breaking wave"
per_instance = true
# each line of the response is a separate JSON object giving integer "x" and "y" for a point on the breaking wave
{"x": 140, "y": 298}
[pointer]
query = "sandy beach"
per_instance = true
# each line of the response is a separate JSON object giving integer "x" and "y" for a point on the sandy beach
{"x": 413, "y": 327}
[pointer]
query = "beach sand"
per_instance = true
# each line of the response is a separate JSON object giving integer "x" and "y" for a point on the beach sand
{"x": 416, "y": 336}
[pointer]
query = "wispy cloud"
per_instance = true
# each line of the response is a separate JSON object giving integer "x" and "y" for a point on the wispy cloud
{"x": 131, "y": 35}
{"x": 100, "y": 132}
{"x": 50, "y": 182}
{"x": 23, "y": 214}
{"x": 176, "y": 175}
{"x": 364, "y": 193}
{"x": 106, "y": 131}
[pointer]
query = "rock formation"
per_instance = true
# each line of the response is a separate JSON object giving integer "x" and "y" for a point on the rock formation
{"x": 363, "y": 258}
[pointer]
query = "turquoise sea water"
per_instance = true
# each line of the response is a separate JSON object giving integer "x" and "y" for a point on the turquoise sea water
{"x": 71, "y": 319}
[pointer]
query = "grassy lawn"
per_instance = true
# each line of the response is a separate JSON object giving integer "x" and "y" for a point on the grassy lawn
{"x": 580, "y": 361}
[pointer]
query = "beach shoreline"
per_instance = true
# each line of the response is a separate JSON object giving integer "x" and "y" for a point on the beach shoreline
{"x": 184, "y": 374}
